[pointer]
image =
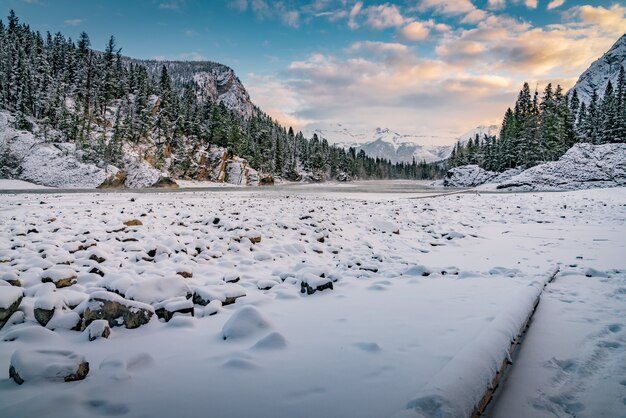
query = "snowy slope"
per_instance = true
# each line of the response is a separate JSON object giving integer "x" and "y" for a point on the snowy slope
{"x": 606, "y": 68}
{"x": 584, "y": 166}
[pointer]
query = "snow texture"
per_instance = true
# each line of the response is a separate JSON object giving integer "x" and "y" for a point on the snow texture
{"x": 420, "y": 318}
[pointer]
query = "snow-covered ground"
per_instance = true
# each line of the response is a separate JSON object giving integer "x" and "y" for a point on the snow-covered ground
{"x": 9, "y": 184}
{"x": 426, "y": 296}
{"x": 573, "y": 359}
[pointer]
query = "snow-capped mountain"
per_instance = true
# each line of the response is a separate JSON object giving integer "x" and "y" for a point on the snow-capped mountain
{"x": 606, "y": 68}
{"x": 481, "y": 131}
{"x": 388, "y": 144}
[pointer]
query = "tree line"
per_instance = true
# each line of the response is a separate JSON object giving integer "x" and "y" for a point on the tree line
{"x": 541, "y": 129}
{"x": 104, "y": 102}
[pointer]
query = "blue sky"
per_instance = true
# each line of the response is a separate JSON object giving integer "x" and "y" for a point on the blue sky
{"x": 432, "y": 67}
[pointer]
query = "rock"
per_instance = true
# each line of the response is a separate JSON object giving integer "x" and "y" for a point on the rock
{"x": 266, "y": 180}
{"x": 116, "y": 310}
{"x": 11, "y": 278}
{"x": 165, "y": 183}
{"x": 46, "y": 305}
{"x": 114, "y": 181}
{"x": 180, "y": 305}
{"x": 133, "y": 222}
{"x": 310, "y": 283}
{"x": 55, "y": 365}
{"x": 253, "y": 236}
{"x": 226, "y": 293}
{"x": 186, "y": 274}
{"x": 60, "y": 276}
{"x": 158, "y": 289}
{"x": 98, "y": 329}
{"x": 246, "y": 322}
{"x": 467, "y": 176}
{"x": 583, "y": 166}
{"x": 343, "y": 177}
{"x": 10, "y": 299}
{"x": 43, "y": 316}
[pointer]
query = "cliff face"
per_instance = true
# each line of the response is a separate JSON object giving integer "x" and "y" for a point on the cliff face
{"x": 597, "y": 76}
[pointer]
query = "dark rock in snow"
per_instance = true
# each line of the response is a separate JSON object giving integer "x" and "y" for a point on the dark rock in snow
{"x": 11, "y": 299}
{"x": 116, "y": 310}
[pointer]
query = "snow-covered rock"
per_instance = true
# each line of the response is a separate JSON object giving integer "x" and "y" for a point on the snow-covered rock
{"x": 246, "y": 322}
{"x": 582, "y": 167}
{"x": 47, "y": 163}
{"x": 468, "y": 176}
{"x": 98, "y": 329}
{"x": 55, "y": 365}
{"x": 10, "y": 299}
{"x": 116, "y": 310}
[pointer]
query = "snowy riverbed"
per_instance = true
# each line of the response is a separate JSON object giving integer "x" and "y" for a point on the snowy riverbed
{"x": 425, "y": 293}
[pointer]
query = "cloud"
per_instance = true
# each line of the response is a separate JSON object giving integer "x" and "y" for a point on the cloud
{"x": 496, "y": 4}
{"x": 384, "y": 16}
{"x": 470, "y": 13}
{"x": 555, "y": 3}
{"x": 611, "y": 21}
{"x": 531, "y": 4}
{"x": 73, "y": 22}
{"x": 415, "y": 31}
{"x": 354, "y": 12}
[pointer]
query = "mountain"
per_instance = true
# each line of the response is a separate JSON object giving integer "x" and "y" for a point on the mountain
{"x": 597, "y": 76}
{"x": 396, "y": 147}
{"x": 213, "y": 81}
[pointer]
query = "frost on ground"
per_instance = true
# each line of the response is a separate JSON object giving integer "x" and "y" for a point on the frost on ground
{"x": 294, "y": 305}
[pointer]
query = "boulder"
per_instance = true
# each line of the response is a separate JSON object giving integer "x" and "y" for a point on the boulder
{"x": 583, "y": 166}
{"x": 55, "y": 365}
{"x": 165, "y": 183}
{"x": 98, "y": 329}
{"x": 133, "y": 222}
{"x": 114, "y": 181}
{"x": 46, "y": 305}
{"x": 266, "y": 180}
{"x": 10, "y": 299}
{"x": 180, "y": 305}
{"x": 226, "y": 293}
{"x": 253, "y": 236}
{"x": 467, "y": 176}
{"x": 60, "y": 276}
{"x": 310, "y": 283}
{"x": 116, "y": 310}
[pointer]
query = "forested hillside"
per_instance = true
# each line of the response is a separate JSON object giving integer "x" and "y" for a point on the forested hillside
{"x": 170, "y": 111}
{"x": 541, "y": 129}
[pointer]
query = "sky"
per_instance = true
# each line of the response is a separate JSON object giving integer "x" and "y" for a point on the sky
{"x": 425, "y": 67}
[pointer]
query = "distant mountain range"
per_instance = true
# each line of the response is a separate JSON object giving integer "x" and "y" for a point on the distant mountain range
{"x": 394, "y": 146}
